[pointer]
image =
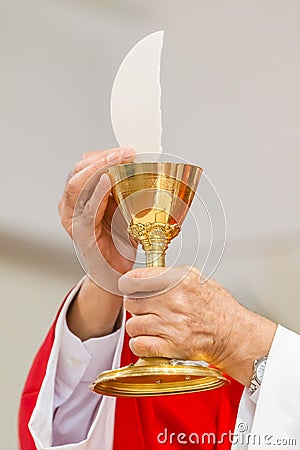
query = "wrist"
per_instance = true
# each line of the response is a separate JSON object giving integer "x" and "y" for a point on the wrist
{"x": 94, "y": 312}
{"x": 252, "y": 341}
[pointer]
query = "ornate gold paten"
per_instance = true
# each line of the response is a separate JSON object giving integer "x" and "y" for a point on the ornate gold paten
{"x": 154, "y": 198}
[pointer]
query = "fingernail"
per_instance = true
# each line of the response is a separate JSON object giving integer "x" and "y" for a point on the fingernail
{"x": 112, "y": 156}
{"x": 131, "y": 343}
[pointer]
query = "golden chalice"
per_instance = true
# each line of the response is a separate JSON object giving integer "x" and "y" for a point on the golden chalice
{"x": 154, "y": 198}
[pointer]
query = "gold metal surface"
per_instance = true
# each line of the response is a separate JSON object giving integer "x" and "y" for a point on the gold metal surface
{"x": 154, "y": 199}
{"x": 157, "y": 376}
{"x": 154, "y": 238}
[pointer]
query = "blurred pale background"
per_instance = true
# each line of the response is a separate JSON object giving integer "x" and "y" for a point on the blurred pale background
{"x": 231, "y": 103}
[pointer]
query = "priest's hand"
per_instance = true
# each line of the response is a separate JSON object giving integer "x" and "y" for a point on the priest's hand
{"x": 177, "y": 316}
{"x": 86, "y": 210}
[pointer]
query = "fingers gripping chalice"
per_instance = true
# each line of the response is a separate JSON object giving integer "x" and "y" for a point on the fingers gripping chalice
{"x": 154, "y": 198}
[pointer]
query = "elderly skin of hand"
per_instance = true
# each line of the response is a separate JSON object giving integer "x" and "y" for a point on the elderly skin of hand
{"x": 193, "y": 320}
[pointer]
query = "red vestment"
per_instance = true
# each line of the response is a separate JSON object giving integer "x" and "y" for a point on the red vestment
{"x": 149, "y": 423}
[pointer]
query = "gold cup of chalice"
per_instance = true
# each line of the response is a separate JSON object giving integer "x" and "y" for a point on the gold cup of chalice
{"x": 154, "y": 198}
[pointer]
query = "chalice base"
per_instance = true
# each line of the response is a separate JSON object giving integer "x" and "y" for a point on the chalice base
{"x": 158, "y": 376}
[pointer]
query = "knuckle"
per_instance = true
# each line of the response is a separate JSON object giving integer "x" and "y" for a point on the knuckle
{"x": 88, "y": 212}
{"x": 185, "y": 283}
{"x": 143, "y": 326}
{"x": 130, "y": 326}
{"x": 142, "y": 347}
{"x": 67, "y": 225}
{"x": 129, "y": 305}
{"x": 63, "y": 221}
{"x": 179, "y": 302}
{"x": 136, "y": 326}
{"x": 192, "y": 274}
{"x": 71, "y": 188}
{"x": 60, "y": 207}
{"x": 77, "y": 167}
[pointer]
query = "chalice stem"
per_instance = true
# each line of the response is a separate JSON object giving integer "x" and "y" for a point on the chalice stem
{"x": 155, "y": 256}
{"x": 154, "y": 259}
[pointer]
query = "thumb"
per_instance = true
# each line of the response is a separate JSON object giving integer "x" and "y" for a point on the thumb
{"x": 151, "y": 279}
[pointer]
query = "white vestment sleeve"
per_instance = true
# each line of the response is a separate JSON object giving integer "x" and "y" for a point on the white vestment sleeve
{"x": 275, "y": 420}
{"x": 67, "y": 415}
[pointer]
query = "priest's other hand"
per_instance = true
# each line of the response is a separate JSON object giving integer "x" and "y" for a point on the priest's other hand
{"x": 177, "y": 316}
{"x": 86, "y": 210}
